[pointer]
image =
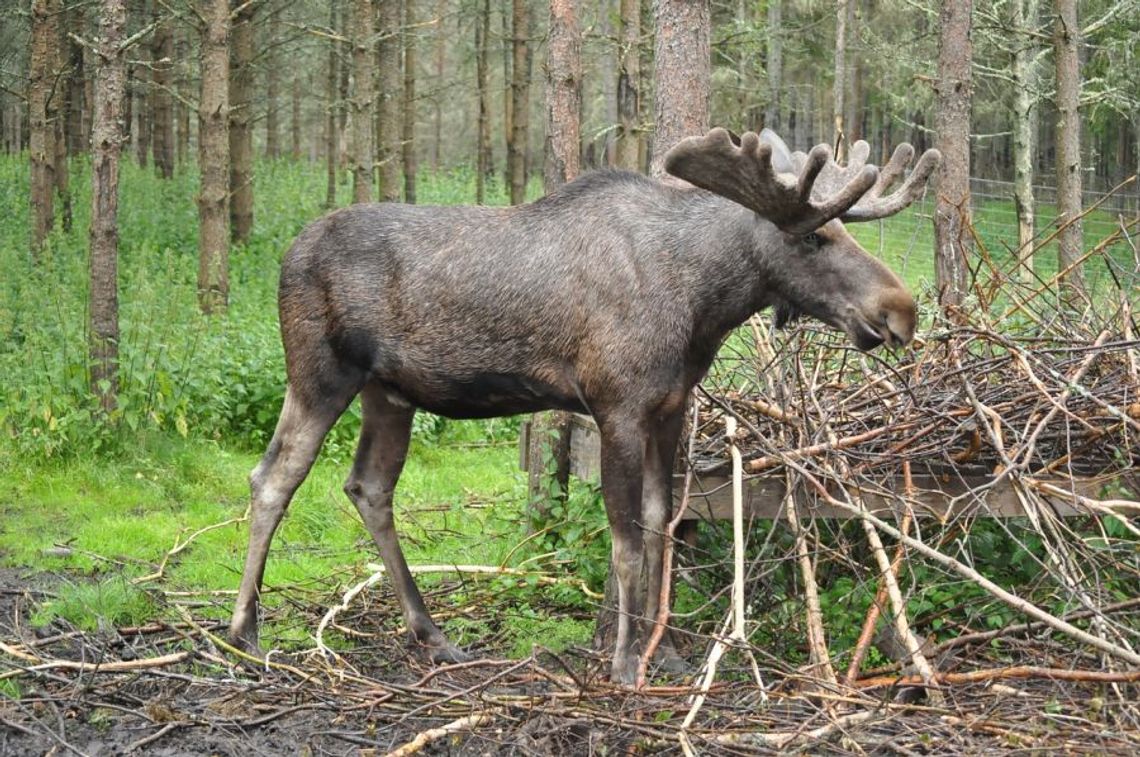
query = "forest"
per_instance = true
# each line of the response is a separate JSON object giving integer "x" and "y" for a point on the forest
{"x": 926, "y": 549}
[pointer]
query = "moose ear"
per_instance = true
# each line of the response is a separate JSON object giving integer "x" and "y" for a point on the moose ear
{"x": 782, "y": 161}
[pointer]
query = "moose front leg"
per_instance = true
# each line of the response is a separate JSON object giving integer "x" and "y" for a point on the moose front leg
{"x": 623, "y": 454}
{"x": 657, "y": 506}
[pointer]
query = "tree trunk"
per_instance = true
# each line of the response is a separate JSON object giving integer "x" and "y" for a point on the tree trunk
{"x": 518, "y": 147}
{"x": 162, "y": 104}
{"x": 682, "y": 73}
{"x": 295, "y": 121}
{"x": 437, "y": 100}
{"x": 1066, "y": 41}
{"x": 182, "y": 110}
{"x": 214, "y": 160}
{"x": 852, "y": 121}
{"x": 773, "y": 117}
{"x": 41, "y": 118}
{"x": 272, "y": 87}
{"x": 143, "y": 123}
{"x": 389, "y": 50}
{"x": 78, "y": 140}
{"x": 839, "y": 82}
{"x": 361, "y": 103}
{"x": 332, "y": 105}
{"x": 62, "y": 175}
{"x": 627, "y": 153}
{"x": 1024, "y": 68}
{"x": 484, "y": 160}
{"x": 107, "y": 144}
{"x": 408, "y": 137}
{"x": 952, "y": 125}
{"x": 241, "y": 121}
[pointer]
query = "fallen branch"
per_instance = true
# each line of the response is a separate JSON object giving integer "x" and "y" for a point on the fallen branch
{"x": 997, "y": 674}
{"x": 424, "y": 738}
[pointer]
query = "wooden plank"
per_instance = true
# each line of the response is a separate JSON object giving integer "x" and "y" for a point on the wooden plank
{"x": 938, "y": 497}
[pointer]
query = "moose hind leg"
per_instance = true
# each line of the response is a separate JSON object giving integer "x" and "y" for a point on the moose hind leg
{"x": 380, "y": 457}
{"x": 657, "y": 507}
{"x": 301, "y": 428}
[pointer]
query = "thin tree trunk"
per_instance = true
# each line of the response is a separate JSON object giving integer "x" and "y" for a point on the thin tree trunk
{"x": 773, "y": 117}
{"x": 852, "y": 97}
{"x": 241, "y": 121}
{"x": 437, "y": 101}
{"x": 214, "y": 160}
{"x": 272, "y": 87}
{"x": 952, "y": 125}
{"x": 182, "y": 111}
{"x": 1066, "y": 41}
{"x": 482, "y": 86}
{"x": 408, "y": 138}
{"x": 62, "y": 174}
{"x": 520, "y": 99}
{"x": 141, "y": 111}
{"x": 682, "y": 74}
{"x": 507, "y": 49}
{"x": 627, "y": 153}
{"x": 78, "y": 140}
{"x": 362, "y": 94}
{"x": 390, "y": 50}
{"x": 107, "y": 144}
{"x": 839, "y": 82}
{"x": 563, "y": 95}
{"x": 162, "y": 51}
{"x": 295, "y": 122}
{"x": 41, "y": 118}
{"x": 332, "y": 95}
{"x": 1025, "y": 19}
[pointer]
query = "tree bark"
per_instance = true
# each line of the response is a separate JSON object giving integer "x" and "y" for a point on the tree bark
{"x": 41, "y": 118}
{"x": 390, "y": 50}
{"x": 241, "y": 121}
{"x": 437, "y": 100}
{"x": 107, "y": 145}
{"x": 141, "y": 112}
{"x": 682, "y": 74}
{"x": 162, "y": 104}
{"x": 521, "y": 63}
{"x": 563, "y": 95}
{"x": 484, "y": 160}
{"x": 1024, "y": 69}
{"x": 214, "y": 160}
{"x": 627, "y": 151}
{"x": 773, "y": 117}
{"x": 295, "y": 121}
{"x": 839, "y": 82}
{"x": 78, "y": 140}
{"x": 62, "y": 174}
{"x": 272, "y": 87}
{"x": 952, "y": 125}
{"x": 408, "y": 136}
{"x": 361, "y": 103}
{"x": 1066, "y": 41}
{"x": 852, "y": 97}
{"x": 332, "y": 105}
{"x": 182, "y": 111}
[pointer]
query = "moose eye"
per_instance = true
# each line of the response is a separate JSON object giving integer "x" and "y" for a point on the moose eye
{"x": 813, "y": 240}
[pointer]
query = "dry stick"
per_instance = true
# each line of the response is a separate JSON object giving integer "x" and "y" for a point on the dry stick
{"x": 118, "y": 666}
{"x": 782, "y": 740}
{"x": 1014, "y": 601}
{"x": 873, "y": 612}
{"x": 178, "y": 547}
{"x": 424, "y": 738}
{"x": 665, "y": 596}
{"x": 1019, "y": 671}
{"x": 817, "y": 640}
{"x": 737, "y": 636}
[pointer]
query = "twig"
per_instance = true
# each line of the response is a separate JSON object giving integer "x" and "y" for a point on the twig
{"x": 1019, "y": 671}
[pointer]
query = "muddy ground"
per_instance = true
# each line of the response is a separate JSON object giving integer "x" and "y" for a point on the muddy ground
{"x": 118, "y": 691}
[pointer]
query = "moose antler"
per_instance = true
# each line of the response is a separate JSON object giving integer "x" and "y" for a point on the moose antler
{"x": 823, "y": 190}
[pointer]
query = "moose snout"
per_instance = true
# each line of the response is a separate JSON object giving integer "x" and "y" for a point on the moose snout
{"x": 897, "y": 317}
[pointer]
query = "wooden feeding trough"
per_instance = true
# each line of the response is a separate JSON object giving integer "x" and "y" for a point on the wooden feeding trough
{"x": 939, "y": 495}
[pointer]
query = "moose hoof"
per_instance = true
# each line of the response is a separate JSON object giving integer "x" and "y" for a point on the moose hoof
{"x": 443, "y": 652}
{"x": 624, "y": 672}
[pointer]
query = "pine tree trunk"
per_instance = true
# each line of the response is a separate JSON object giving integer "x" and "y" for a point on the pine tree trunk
{"x": 627, "y": 153}
{"x": 272, "y": 87}
{"x": 773, "y": 116}
{"x": 107, "y": 144}
{"x": 483, "y": 89}
{"x": 41, "y": 118}
{"x": 851, "y": 78}
{"x": 78, "y": 140}
{"x": 437, "y": 100}
{"x": 295, "y": 122}
{"x": 1066, "y": 43}
{"x": 141, "y": 133}
{"x": 361, "y": 103}
{"x": 1025, "y": 19}
{"x": 389, "y": 49}
{"x": 214, "y": 160}
{"x": 563, "y": 95}
{"x": 162, "y": 106}
{"x": 241, "y": 122}
{"x": 62, "y": 175}
{"x": 182, "y": 111}
{"x": 682, "y": 74}
{"x": 332, "y": 106}
{"x": 952, "y": 125}
{"x": 839, "y": 81}
{"x": 520, "y": 99}
{"x": 408, "y": 136}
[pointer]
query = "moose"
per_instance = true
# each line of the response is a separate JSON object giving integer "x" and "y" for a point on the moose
{"x": 609, "y": 296}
